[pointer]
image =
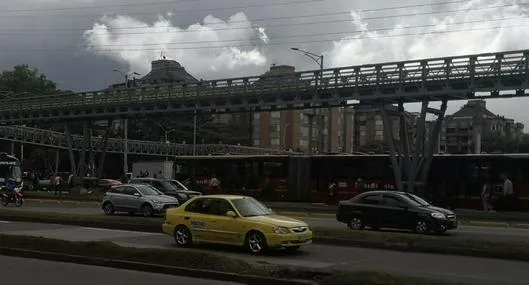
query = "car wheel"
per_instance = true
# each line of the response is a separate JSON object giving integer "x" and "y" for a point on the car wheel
{"x": 421, "y": 227}
{"x": 147, "y": 210}
{"x": 182, "y": 236}
{"x": 356, "y": 223}
{"x": 441, "y": 230}
{"x": 108, "y": 209}
{"x": 256, "y": 242}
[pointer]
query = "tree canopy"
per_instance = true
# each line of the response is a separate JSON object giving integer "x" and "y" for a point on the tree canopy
{"x": 24, "y": 79}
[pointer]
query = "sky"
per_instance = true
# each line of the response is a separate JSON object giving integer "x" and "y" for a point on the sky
{"x": 78, "y": 43}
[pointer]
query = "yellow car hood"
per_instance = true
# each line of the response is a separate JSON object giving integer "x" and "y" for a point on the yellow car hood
{"x": 278, "y": 220}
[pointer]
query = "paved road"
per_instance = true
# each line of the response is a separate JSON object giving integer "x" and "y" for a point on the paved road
{"x": 485, "y": 233}
{"x": 465, "y": 269}
{"x": 15, "y": 270}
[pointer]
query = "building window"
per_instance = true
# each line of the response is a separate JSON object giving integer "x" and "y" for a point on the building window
{"x": 256, "y": 116}
{"x": 275, "y": 114}
{"x": 304, "y": 132}
{"x": 304, "y": 143}
{"x": 256, "y": 142}
{"x": 274, "y": 142}
{"x": 379, "y": 133}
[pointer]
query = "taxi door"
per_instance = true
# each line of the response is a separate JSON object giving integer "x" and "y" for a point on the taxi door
{"x": 225, "y": 229}
{"x": 199, "y": 220}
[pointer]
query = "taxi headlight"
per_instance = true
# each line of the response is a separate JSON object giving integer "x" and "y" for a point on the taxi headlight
{"x": 281, "y": 230}
{"x": 156, "y": 201}
{"x": 438, "y": 215}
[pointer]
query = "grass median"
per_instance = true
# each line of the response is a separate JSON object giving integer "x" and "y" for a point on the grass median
{"x": 206, "y": 261}
{"x": 512, "y": 250}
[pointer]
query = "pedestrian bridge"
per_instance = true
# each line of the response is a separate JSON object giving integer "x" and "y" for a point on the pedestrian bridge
{"x": 58, "y": 140}
{"x": 491, "y": 75}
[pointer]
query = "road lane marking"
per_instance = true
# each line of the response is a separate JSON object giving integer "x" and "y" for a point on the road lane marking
{"x": 121, "y": 231}
{"x": 489, "y": 223}
{"x": 5, "y": 222}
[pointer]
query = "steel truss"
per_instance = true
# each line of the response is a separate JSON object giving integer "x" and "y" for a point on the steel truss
{"x": 411, "y": 157}
{"x": 491, "y": 75}
{"x": 58, "y": 140}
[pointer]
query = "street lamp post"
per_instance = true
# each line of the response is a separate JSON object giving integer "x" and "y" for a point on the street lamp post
{"x": 125, "y": 124}
{"x": 319, "y": 60}
{"x": 166, "y": 136}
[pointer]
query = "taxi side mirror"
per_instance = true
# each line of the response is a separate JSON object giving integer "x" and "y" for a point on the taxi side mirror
{"x": 231, "y": 214}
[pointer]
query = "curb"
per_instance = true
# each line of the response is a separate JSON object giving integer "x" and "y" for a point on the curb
{"x": 404, "y": 247}
{"x": 154, "y": 268}
{"x": 58, "y": 201}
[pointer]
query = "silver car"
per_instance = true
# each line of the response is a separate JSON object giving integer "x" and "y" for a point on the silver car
{"x": 133, "y": 198}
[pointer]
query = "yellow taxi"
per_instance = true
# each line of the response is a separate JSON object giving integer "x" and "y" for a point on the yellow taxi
{"x": 234, "y": 220}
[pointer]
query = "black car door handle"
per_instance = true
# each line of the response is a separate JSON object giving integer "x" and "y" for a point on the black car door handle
{"x": 186, "y": 218}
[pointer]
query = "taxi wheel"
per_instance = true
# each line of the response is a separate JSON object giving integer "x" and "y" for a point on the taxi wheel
{"x": 182, "y": 236}
{"x": 256, "y": 242}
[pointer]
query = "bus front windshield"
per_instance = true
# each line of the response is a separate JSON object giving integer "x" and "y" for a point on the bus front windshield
{"x": 10, "y": 171}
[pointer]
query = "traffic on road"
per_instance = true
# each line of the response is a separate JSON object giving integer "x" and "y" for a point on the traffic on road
{"x": 316, "y": 256}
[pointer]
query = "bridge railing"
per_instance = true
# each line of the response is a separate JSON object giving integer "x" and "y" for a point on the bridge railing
{"x": 480, "y": 70}
{"x": 116, "y": 145}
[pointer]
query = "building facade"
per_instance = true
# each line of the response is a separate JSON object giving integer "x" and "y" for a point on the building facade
{"x": 465, "y": 130}
{"x": 290, "y": 129}
{"x": 369, "y": 134}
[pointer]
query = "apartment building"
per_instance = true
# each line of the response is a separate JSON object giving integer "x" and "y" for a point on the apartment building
{"x": 464, "y": 131}
{"x": 290, "y": 129}
{"x": 369, "y": 134}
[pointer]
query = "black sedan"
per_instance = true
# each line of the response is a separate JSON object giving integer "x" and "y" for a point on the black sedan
{"x": 391, "y": 209}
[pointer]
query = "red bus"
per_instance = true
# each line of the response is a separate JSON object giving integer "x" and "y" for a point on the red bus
{"x": 454, "y": 179}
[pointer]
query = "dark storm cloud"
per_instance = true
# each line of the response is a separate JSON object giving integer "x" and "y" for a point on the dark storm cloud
{"x": 73, "y": 67}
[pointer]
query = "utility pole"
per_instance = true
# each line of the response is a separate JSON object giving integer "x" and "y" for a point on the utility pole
{"x": 319, "y": 60}
{"x": 126, "y": 124}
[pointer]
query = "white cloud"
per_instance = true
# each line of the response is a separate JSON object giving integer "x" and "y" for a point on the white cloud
{"x": 209, "y": 49}
{"x": 484, "y": 30}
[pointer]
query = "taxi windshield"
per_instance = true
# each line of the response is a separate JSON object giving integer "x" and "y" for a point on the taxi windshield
{"x": 249, "y": 207}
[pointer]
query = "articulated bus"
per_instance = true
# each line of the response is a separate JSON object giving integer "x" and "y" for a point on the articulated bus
{"x": 454, "y": 179}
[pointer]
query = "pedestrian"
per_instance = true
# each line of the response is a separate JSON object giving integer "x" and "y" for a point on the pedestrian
{"x": 214, "y": 183}
{"x": 486, "y": 195}
{"x": 53, "y": 183}
{"x": 333, "y": 187}
{"x": 507, "y": 198}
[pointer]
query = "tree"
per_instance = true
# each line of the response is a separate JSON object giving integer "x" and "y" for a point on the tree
{"x": 24, "y": 79}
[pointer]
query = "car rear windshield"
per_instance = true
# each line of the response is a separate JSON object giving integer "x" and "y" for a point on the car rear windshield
{"x": 249, "y": 207}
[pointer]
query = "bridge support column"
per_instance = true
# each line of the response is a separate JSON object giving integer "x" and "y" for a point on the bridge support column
{"x": 104, "y": 142}
{"x": 311, "y": 130}
{"x": 411, "y": 159}
{"x": 57, "y": 161}
{"x": 125, "y": 146}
